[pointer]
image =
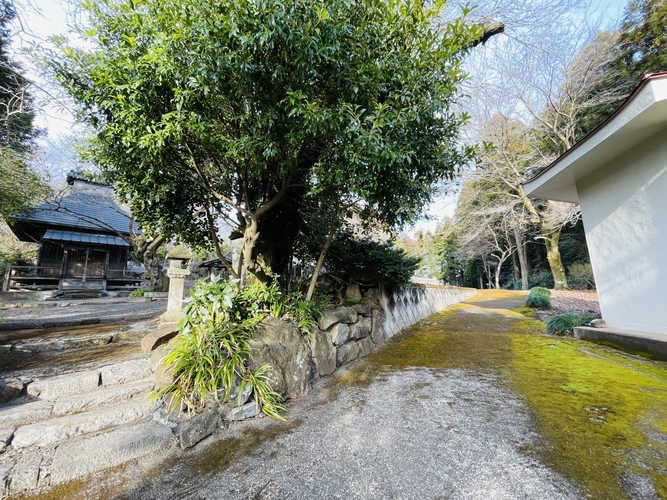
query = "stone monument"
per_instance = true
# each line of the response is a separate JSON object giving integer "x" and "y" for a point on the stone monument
{"x": 179, "y": 259}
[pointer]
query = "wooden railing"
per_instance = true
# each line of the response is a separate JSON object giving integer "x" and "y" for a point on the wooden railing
{"x": 17, "y": 276}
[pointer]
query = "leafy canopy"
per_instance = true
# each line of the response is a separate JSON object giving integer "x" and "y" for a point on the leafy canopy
{"x": 216, "y": 107}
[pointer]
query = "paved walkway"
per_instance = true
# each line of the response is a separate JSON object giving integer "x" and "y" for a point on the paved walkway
{"x": 473, "y": 403}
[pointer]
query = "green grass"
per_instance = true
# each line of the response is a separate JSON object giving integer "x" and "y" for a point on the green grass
{"x": 538, "y": 298}
{"x": 561, "y": 324}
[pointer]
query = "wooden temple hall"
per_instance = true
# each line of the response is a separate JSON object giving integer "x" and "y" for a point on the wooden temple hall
{"x": 82, "y": 242}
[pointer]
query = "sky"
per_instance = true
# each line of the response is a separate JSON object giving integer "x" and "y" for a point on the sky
{"x": 42, "y": 19}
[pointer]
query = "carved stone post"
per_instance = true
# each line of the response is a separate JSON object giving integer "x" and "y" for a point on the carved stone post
{"x": 178, "y": 258}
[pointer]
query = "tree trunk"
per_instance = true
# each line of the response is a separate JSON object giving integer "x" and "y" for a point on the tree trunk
{"x": 497, "y": 276}
{"x": 515, "y": 265}
{"x": 553, "y": 256}
{"x": 156, "y": 280}
{"x": 523, "y": 257}
{"x": 323, "y": 254}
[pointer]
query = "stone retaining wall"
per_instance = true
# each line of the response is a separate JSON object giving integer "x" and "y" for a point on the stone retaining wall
{"x": 408, "y": 305}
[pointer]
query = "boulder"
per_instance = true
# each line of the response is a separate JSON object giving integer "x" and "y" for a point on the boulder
{"x": 283, "y": 347}
{"x": 352, "y": 294}
{"x": 366, "y": 345}
{"x": 324, "y": 352}
{"x": 361, "y": 328}
{"x": 339, "y": 315}
{"x": 339, "y": 333}
{"x": 192, "y": 430}
{"x": 362, "y": 309}
{"x": 373, "y": 293}
{"x": 347, "y": 353}
{"x": 248, "y": 410}
{"x": 378, "y": 332}
{"x": 598, "y": 323}
{"x": 372, "y": 302}
{"x": 10, "y": 389}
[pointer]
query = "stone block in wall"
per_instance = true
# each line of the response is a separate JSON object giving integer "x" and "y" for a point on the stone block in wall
{"x": 372, "y": 302}
{"x": 339, "y": 315}
{"x": 283, "y": 347}
{"x": 366, "y": 345}
{"x": 362, "y": 309}
{"x": 191, "y": 431}
{"x": 361, "y": 328}
{"x": 339, "y": 333}
{"x": 378, "y": 332}
{"x": 347, "y": 353}
{"x": 324, "y": 352}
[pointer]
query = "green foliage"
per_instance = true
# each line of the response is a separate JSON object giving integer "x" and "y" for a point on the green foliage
{"x": 15, "y": 252}
{"x": 541, "y": 278}
{"x": 379, "y": 261}
{"x": 211, "y": 350}
{"x": 538, "y": 298}
{"x": 581, "y": 277}
{"x": 139, "y": 292}
{"x": 212, "y": 347}
{"x": 233, "y": 104}
{"x": 561, "y": 324}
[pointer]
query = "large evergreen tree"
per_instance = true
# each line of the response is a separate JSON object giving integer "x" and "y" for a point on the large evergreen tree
{"x": 212, "y": 108}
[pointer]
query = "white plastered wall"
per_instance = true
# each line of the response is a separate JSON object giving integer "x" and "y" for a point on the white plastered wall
{"x": 624, "y": 208}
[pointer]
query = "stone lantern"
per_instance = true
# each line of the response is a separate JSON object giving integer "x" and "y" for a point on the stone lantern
{"x": 179, "y": 260}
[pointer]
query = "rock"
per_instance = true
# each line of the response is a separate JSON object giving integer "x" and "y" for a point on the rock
{"x": 74, "y": 459}
{"x": 5, "y": 470}
{"x": 163, "y": 377}
{"x": 233, "y": 400}
{"x": 283, "y": 347}
{"x": 371, "y": 302}
{"x": 373, "y": 293}
{"x": 324, "y": 352}
{"x": 127, "y": 371}
{"x": 12, "y": 416}
{"x": 352, "y": 294}
{"x": 5, "y": 436}
{"x": 25, "y": 474}
{"x": 87, "y": 341}
{"x": 638, "y": 486}
{"x": 192, "y": 430}
{"x": 64, "y": 385}
{"x": 339, "y": 333}
{"x": 347, "y": 353}
{"x": 62, "y": 428}
{"x": 160, "y": 336}
{"x": 5, "y": 348}
{"x": 40, "y": 346}
{"x": 378, "y": 332}
{"x": 598, "y": 323}
{"x": 338, "y": 315}
{"x": 10, "y": 389}
{"x": 366, "y": 345}
{"x": 361, "y": 328}
{"x": 97, "y": 399}
{"x": 362, "y": 309}
{"x": 128, "y": 336}
{"x": 248, "y": 410}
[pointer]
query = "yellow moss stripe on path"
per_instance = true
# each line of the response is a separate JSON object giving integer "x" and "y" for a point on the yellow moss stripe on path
{"x": 603, "y": 417}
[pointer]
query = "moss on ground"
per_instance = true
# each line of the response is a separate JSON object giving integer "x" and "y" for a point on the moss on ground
{"x": 600, "y": 412}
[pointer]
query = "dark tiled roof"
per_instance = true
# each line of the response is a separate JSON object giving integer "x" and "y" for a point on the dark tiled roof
{"x": 95, "y": 239}
{"x": 86, "y": 208}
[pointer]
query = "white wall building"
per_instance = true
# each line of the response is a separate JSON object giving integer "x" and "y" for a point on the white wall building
{"x": 618, "y": 174}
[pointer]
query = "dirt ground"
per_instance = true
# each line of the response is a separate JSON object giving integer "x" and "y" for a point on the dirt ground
{"x": 572, "y": 301}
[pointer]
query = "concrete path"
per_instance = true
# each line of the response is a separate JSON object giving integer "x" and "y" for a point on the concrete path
{"x": 473, "y": 403}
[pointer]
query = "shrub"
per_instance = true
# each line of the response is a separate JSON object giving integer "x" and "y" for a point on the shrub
{"x": 542, "y": 278}
{"x": 213, "y": 345}
{"x": 538, "y": 298}
{"x": 580, "y": 276}
{"x": 139, "y": 292}
{"x": 561, "y": 324}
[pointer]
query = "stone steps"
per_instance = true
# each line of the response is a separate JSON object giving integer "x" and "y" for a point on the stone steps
{"x": 71, "y": 425}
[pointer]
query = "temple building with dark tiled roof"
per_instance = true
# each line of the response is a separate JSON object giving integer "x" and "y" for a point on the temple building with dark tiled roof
{"x": 83, "y": 235}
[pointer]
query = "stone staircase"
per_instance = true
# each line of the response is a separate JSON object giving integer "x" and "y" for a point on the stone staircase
{"x": 74, "y": 401}
{"x": 64, "y": 427}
